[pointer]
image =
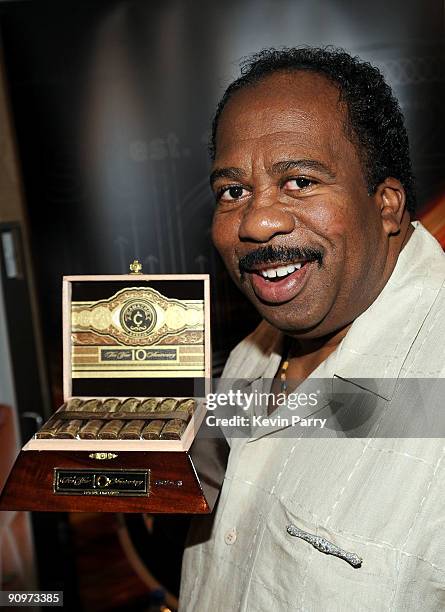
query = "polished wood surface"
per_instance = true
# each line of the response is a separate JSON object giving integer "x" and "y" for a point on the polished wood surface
{"x": 30, "y": 484}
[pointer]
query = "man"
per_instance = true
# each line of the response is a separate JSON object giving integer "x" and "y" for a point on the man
{"x": 314, "y": 195}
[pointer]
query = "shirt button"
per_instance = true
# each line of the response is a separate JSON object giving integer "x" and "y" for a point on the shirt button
{"x": 230, "y": 536}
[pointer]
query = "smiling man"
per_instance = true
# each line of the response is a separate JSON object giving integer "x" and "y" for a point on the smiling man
{"x": 314, "y": 199}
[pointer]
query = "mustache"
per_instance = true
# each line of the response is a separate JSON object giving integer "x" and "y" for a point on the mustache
{"x": 278, "y": 255}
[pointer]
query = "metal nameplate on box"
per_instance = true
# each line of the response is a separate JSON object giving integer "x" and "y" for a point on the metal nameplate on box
{"x": 123, "y": 483}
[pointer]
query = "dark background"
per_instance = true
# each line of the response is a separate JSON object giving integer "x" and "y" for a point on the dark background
{"x": 112, "y": 103}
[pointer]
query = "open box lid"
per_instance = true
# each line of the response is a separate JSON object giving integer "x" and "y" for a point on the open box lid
{"x": 136, "y": 335}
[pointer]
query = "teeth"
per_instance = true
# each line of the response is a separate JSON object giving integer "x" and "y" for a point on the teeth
{"x": 281, "y": 270}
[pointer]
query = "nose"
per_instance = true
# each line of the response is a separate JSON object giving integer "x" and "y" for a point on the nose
{"x": 261, "y": 223}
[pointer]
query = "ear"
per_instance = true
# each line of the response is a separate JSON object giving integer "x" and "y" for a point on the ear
{"x": 390, "y": 197}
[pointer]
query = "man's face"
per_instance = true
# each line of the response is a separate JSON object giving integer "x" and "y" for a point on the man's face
{"x": 294, "y": 223}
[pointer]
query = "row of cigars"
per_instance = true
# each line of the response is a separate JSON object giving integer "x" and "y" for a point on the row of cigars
{"x": 114, "y": 419}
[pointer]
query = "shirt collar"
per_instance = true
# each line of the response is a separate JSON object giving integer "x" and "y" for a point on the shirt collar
{"x": 375, "y": 348}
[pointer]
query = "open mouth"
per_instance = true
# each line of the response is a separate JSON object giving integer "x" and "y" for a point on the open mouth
{"x": 280, "y": 272}
{"x": 280, "y": 283}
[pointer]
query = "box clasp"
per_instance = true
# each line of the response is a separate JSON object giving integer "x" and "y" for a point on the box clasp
{"x": 102, "y": 455}
{"x": 136, "y": 267}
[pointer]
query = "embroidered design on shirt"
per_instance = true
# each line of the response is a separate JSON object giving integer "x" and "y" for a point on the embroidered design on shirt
{"x": 325, "y": 546}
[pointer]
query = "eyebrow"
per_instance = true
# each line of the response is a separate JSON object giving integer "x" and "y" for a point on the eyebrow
{"x": 236, "y": 174}
{"x": 302, "y": 164}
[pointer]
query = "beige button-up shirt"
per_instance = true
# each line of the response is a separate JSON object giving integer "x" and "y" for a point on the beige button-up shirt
{"x": 381, "y": 498}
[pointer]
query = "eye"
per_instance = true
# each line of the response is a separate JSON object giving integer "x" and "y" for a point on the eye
{"x": 231, "y": 193}
{"x": 298, "y": 183}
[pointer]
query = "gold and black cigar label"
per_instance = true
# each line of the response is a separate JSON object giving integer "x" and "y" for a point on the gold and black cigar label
{"x": 119, "y": 483}
{"x": 138, "y": 332}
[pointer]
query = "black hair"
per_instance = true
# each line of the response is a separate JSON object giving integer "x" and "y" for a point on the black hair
{"x": 374, "y": 119}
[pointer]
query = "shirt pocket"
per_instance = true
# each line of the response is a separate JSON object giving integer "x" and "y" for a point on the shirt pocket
{"x": 297, "y": 574}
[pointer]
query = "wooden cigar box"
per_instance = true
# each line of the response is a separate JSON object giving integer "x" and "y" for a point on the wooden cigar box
{"x": 137, "y": 368}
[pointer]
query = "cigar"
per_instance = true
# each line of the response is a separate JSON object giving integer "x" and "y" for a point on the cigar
{"x": 76, "y": 405}
{"x": 111, "y": 429}
{"x": 148, "y": 405}
{"x": 72, "y": 405}
{"x": 187, "y": 405}
{"x": 69, "y": 429}
{"x": 153, "y": 429}
{"x": 49, "y": 430}
{"x": 130, "y": 405}
{"x": 167, "y": 405}
{"x": 92, "y": 405}
{"x": 174, "y": 428}
{"x": 111, "y": 405}
{"x": 132, "y": 429}
{"x": 90, "y": 430}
